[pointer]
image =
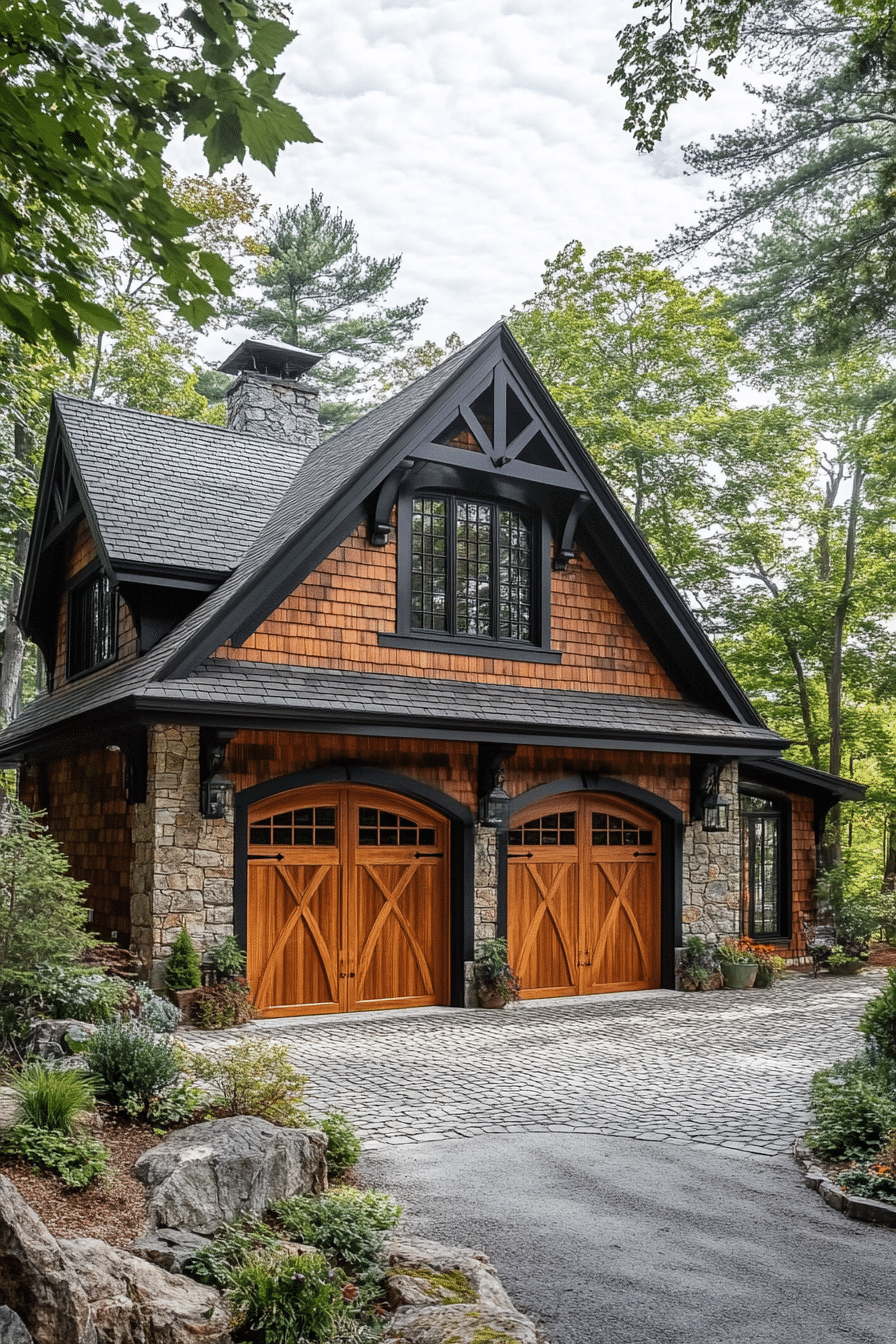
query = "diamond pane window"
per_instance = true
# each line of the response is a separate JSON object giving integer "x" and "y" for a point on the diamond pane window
{"x": 304, "y": 826}
{"x": 557, "y": 828}
{"x": 609, "y": 830}
{"x": 471, "y": 569}
{"x": 376, "y": 827}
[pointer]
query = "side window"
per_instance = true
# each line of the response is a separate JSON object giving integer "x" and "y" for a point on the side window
{"x": 762, "y": 855}
{"x": 92, "y": 624}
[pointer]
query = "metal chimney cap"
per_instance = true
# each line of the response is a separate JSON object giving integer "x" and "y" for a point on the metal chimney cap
{"x": 274, "y": 359}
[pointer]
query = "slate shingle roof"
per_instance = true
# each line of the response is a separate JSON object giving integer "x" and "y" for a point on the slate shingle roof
{"x": 172, "y": 492}
{"x": 310, "y": 694}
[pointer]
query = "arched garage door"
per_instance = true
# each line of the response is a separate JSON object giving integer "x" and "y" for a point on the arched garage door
{"x": 583, "y": 896}
{"x": 348, "y": 902}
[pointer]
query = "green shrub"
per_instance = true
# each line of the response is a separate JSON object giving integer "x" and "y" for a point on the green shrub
{"x": 156, "y": 1013}
{"x": 254, "y": 1077}
{"x": 343, "y": 1143}
{"x": 182, "y": 967}
{"x": 878, "y": 1021}
{"x": 855, "y": 1108}
{"x": 87, "y": 996}
{"x": 286, "y": 1299}
{"x": 133, "y": 1066}
{"x": 346, "y": 1224}
{"x": 228, "y": 958}
{"x": 232, "y": 1246}
{"x": 41, "y": 916}
{"x": 221, "y": 1006}
{"x": 51, "y": 1098}
{"x": 74, "y": 1159}
{"x": 869, "y": 1181}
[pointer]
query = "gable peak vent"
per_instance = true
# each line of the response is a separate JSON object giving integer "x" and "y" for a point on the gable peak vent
{"x": 267, "y": 397}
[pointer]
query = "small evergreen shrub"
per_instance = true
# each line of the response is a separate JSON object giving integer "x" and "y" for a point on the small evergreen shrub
{"x": 87, "y": 996}
{"x": 878, "y": 1021}
{"x": 74, "y": 1159}
{"x": 133, "y": 1066}
{"x": 346, "y": 1224}
{"x": 51, "y": 1098}
{"x": 286, "y": 1299}
{"x": 228, "y": 958}
{"x": 254, "y": 1078}
{"x": 182, "y": 967}
{"x": 855, "y": 1109}
{"x": 343, "y": 1143}
{"x": 156, "y": 1013}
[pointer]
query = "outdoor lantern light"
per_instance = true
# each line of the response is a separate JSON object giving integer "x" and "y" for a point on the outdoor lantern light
{"x": 715, "y": 813}
{"x": 214, "y": 796}
{"x": 496, "y": 808}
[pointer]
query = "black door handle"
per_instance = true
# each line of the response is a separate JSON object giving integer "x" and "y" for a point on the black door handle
{"x": 278, "y": 857}
{"x": 520, "y": 856}
{"x": 645, "y": 854}
{"x": 421, "y": 855}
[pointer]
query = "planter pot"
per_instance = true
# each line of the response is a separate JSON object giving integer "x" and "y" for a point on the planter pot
{"x": 489, "y": 999}
{"x": 739, "y": 974}
{"x": 691, "y": 986}
{"x": 183, "y": 999}
{"x": 765, "y": 978}
{"x": 847, "y": 967}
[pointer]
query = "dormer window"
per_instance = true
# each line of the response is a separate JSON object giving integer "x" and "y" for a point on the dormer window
{"x": 471, "y": 568}
{"x": 92, "y": 624}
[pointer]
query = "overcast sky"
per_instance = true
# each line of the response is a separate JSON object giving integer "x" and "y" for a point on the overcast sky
{"x": 476, "y": 138}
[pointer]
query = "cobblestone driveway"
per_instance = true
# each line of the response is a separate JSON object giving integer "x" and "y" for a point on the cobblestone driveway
{"x": 728, "y": 1069}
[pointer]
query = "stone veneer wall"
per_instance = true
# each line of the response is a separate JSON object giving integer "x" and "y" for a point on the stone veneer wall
{"x": 485, "y": 900}
{"x": 274, "y": 407}
{"x": 182, "y": 870}
{"x": 711, "y": 898}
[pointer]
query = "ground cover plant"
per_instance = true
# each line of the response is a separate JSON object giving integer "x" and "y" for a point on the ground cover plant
{"x": 85, "y": 995}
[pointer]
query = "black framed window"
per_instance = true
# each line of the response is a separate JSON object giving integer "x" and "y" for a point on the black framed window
{"x": 764, "y": 846}
{"x": 471, "y": 569}
{"x": 92, "y": 624}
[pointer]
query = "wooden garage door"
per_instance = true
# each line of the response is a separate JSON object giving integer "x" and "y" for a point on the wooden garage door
{"x": 347, "y": 902}
{"x": 583, "y": 897}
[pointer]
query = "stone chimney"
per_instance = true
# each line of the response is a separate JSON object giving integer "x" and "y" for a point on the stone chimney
{"x": 267, "y": 397}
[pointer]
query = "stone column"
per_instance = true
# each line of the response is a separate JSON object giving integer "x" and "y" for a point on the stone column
{"x": 182, "y": 873}
{"x": 711, "y": 877}
{"x": 485, "y": 899}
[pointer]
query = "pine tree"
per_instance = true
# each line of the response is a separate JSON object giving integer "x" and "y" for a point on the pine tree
{"x": 182, "y": 967}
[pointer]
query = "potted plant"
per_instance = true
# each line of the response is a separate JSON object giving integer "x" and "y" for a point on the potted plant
{"x": 697, "y": 969}
{"x": 845, "y": 961}
{"x": 737, "y": 964}
{"x": 496, "y": 983}
{"x": 182, "y": 975}
{"x": 770, "y": 965}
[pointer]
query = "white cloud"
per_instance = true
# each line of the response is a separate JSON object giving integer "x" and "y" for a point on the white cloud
{"x": 477, "y": 137}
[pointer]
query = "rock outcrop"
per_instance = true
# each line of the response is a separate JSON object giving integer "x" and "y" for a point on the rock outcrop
{"x": 201, "y": 1177}
{"x": 12, "y": 1328}
{"x": 86, "y": 1292}
{"x": 459, "y": 1325}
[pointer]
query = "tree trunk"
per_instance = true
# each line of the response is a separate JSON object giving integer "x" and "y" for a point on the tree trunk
{"x": 14, "y": 644}
{"x": 835, "y": 676}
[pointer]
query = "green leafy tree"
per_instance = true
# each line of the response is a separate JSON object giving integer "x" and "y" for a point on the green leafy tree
{"x": 416, "y": 362}
{"x": 41, "y": 916}
{"x": 93, "y": 93}
{"x": 319, "y": 292}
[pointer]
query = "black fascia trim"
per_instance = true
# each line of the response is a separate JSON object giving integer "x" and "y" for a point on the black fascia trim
{"x": 803, "y": 779}
{"x": 196, "y": 581}
{"x": 94, "y": 566}
{"x": 461, "y": 840}
{"x": 430, "y": 641}
{"x": 252, "y": 604}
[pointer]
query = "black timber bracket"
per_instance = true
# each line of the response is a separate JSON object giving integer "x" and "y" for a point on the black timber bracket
{"x": 490, "y": 770}
{"x": 385, "y": 500}
{"x": 705, "y": 780}
{"x": 212, "y": 750}
{"x": 134, "y": 746}
{"x": 564, "y": 542}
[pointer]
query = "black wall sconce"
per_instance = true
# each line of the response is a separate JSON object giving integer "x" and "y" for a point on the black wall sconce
{"x": 494, "y": 800}
{"x": 214, "y": 797}
{"x": 495, "y": 808}
{"x": 215, "y": 792}
{"x": 715, "y": 809}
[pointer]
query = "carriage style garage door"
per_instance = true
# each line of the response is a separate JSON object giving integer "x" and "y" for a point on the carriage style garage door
{"x": 583, "y": 897}
{"x": 347, "y": 902}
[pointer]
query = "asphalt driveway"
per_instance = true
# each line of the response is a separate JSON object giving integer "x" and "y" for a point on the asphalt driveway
{"x": 624, "y": 1160}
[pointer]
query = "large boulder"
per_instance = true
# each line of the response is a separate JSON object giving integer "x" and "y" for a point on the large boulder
{"x": 85, "y": 1292}
{"x": 12, "y": 1328}
{"x": 36, "y": 1280}
{"x": 206, "y": 1175}
{"x": 133, "y": 1302}
{"x": 51, "y": 1038}
{"x": 169, "y": 1248}
{"x": 459, "y": 1325}
{"x": 427, "y": 1273}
